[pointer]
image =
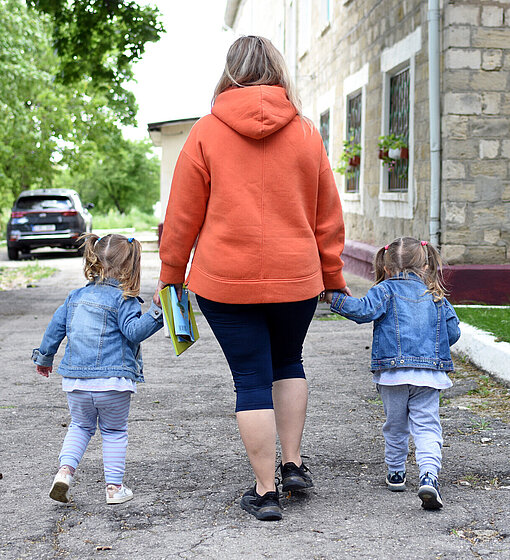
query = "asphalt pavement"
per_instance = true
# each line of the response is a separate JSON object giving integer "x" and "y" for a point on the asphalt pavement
{"x": 188, "y": 470}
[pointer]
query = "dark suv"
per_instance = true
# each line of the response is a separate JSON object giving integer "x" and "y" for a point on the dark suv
{"x": 47, "y": 218}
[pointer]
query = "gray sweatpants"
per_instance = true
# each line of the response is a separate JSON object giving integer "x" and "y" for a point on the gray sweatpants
{"x": 412, "y": 410}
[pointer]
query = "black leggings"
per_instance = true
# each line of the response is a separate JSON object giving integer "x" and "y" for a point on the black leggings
{"x": 262, "y": 343}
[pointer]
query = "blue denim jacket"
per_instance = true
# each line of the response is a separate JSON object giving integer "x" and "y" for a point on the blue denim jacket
{"x": 103, "y": 330}
{"x": 410, "y": 328}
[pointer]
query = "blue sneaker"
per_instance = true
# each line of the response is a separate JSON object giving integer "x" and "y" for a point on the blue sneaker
{"x": 396, "y": 481}
{"x": 429, "y": 492}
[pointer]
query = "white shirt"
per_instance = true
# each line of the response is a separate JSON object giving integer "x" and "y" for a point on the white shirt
{"x": 419, "y": 377}
{"x": 70, "y": 384}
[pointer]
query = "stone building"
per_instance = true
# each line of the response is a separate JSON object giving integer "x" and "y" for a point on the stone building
{"x": 434, "y": 74}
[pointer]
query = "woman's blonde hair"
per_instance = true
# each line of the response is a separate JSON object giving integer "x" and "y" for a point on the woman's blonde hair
{"x": 407, "y": 254}
{"x": 255, "y": 61}
{"x": 113, "y": 256}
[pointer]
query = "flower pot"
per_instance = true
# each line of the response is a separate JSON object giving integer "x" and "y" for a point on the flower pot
{"x": 398, "y": 153}
{"x": 383, "y": 154}
{"x": 355, "y": 161}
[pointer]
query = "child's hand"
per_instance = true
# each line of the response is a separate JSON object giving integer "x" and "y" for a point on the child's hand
{"x": 43, "y": 370}
{"x": 327, "y": 296}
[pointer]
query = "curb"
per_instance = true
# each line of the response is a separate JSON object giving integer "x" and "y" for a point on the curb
{"x": 481, "y": 349}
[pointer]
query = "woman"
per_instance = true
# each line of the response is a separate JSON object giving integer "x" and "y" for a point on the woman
{"x": 254, "y": 184}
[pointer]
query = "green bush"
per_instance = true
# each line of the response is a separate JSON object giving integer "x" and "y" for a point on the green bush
{"x": 136, "y": 219}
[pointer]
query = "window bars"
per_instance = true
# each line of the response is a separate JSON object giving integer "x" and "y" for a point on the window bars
{"x": 354, "y": 132}
{"x": 399, "y": 125}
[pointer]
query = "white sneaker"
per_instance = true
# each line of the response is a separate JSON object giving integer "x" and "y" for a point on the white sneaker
{"x": 60, "y": 487}
{"x": 116, "y": 495}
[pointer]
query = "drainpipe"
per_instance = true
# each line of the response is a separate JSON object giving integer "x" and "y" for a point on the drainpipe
{"x": 435, "y": 122}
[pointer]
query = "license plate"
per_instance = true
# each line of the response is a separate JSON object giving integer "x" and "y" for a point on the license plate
{"x": 44, "y": 227}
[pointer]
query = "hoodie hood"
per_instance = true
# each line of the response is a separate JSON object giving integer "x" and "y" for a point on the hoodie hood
{"x": 254, "y": 111}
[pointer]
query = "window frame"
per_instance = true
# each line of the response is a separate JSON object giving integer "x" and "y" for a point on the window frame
{"x": 326, "y": 14}
{"x": 355, "y": 83}
{"x": 393, "y": 60}
{"x": 328, "y": 144}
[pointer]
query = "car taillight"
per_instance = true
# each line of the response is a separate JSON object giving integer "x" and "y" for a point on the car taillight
{"x": 15, "y": 214}
{"x": 70, "y": 213}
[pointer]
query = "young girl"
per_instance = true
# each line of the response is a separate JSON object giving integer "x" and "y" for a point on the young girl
{"x": 414, "y": 327}
{"x": 102, "y": 361}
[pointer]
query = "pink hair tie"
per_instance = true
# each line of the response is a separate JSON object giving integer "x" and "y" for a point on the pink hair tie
{"x": 423, "y": 243}
{"x": 386, "y": 247}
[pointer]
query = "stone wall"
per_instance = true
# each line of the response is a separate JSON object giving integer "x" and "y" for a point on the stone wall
{"x": 476, "y": 132}
{"x": 358, "y": 41}
{"x": 359, "y": 33}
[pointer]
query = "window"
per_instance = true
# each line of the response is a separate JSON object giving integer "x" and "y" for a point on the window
{"x": 399, "y": 125}
{"x": 304, "y": 27}
{"x": 353, "y": 122}
{"x": 324, "y": 129}
{"x": 290, "y": 47}
{"x": 397, "y": 194}
{"x": 325, "y": 13}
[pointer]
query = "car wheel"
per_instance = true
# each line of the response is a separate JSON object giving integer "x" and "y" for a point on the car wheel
{"x": 13, "y": 253}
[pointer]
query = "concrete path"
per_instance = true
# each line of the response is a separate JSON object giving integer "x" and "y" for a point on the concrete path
{"x": 187, "y": 466}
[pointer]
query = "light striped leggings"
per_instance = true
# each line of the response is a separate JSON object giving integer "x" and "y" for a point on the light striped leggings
{"x": 110, "y": 410}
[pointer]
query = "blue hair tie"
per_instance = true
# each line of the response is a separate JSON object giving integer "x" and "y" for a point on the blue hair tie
{"x": 130, "y": 240}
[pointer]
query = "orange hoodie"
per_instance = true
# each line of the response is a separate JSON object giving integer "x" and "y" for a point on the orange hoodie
{"x": 254, "y": 183}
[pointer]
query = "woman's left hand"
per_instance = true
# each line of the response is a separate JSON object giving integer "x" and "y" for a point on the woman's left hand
{"x": 327, "y": 295}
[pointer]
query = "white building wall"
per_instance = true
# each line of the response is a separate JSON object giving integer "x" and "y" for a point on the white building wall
{"x": 252, "y": 19}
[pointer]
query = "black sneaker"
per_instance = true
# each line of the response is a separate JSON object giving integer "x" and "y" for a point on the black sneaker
{"x": 294, "y": 477}
{"x": 396, "y": 481}
{"x": 429, "y": 492}
{"x": 264, "y": 508}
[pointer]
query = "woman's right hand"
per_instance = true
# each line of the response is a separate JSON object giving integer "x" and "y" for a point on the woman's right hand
{"x": 160, "y": 286}
{"x": 155, "y": 297}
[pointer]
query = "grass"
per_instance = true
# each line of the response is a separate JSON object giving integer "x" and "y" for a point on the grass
{"x": 23, "y": 276}
{"x": 133, "y": 219}
{"x": 331, "y": 317}
{"x": 493, "y": 320}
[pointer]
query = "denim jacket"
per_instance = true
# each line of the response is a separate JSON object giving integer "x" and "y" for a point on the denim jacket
{"x": 410, "y": 328}
{"x": 103, "y": 330}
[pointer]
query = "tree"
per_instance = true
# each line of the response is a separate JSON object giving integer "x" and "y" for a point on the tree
{"x": 122, "y": 175}
{"x": 99, "y": 40}
{"x": 61, "y": 97}
{"x": 30, "y": 118}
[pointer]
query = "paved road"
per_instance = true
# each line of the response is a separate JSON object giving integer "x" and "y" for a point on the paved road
{"x": 188, "y": 470}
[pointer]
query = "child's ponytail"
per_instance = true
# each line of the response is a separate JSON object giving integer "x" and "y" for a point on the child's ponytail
{"x": 92, "y": 267}
{"x": 380, "y": 273}
{"x": 434, "y": 272}
{"x": 129, "y": 270}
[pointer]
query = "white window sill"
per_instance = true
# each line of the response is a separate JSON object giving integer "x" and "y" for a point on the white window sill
{"x": 351, "y": 196}
{"x": 394, "y": 196}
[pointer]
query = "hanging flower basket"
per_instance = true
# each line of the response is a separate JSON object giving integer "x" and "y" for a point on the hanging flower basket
{"x": 383, "y": 154}
{"x": 354, "y": 161}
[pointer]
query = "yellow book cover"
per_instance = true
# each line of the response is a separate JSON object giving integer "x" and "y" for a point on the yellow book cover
{"x": 178, "y": 318}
